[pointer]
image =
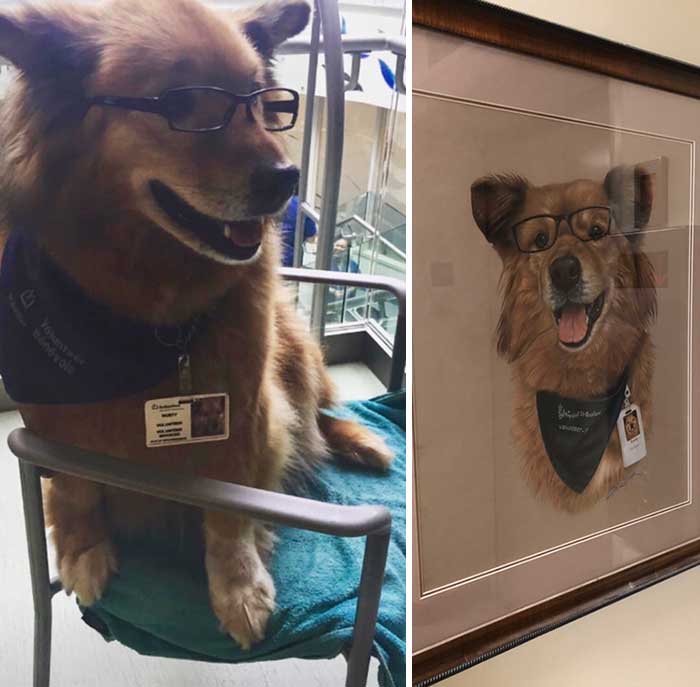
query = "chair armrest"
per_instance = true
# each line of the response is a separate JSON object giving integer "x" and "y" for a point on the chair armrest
{"x": 273, "y": 507}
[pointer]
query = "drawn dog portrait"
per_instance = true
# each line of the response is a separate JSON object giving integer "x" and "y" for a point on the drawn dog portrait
{"x": 578, "y": 303}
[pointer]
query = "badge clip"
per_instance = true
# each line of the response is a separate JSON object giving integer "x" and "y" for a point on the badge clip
{"x": 630, "y": 429}
{"x": 184, "y": 369}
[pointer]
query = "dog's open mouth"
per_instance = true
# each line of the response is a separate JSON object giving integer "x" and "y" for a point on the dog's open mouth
{"x": 234, "y": 240}
{"x": 575, "y": 321}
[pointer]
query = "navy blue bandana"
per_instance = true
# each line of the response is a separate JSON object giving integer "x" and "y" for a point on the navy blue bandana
{"x": 576, "y": 432}
{"x": 59, "y": 346}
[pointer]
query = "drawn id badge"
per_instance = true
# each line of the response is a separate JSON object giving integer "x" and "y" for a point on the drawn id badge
{"x": 186, "y": 419}
{"x": 631, "y": 432}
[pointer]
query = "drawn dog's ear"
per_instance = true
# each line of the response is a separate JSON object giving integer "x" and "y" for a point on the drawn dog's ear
{"x": 507, "y": 331}
{"x": 273, "y": 23}
{"x": 631, "y": 192}
{"x": 644, "y": 288}
{"x": 495, "y": 199}
{"x": 50, "y": 43}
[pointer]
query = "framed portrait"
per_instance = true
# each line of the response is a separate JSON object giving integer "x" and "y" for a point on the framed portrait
{"x": 555, "y": 281}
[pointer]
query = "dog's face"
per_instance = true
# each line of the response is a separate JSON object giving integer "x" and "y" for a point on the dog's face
{"x": 124, "y": 179}
{"x": 631, "y": 425}
{"x": 578, "y": 292}
{"x": 208, "y": 417}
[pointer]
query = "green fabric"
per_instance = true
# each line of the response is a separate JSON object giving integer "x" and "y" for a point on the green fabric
{"x": 163, "y": 610}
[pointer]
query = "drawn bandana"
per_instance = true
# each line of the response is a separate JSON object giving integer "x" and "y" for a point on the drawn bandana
{"x": 576, "y": 432}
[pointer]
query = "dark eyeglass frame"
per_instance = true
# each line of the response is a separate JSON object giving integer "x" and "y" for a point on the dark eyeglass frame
{"x": 558, "y": 220}
{"x": 156, "y": 105}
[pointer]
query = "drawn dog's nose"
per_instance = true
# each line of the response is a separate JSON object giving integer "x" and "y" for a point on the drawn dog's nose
{"x": 272, "y": 186}
{"x": 565, "y": 272}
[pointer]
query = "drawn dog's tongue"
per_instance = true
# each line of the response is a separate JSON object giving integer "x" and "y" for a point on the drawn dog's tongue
{"x": 573, "y": 323}
{"x": 247, "y": 233}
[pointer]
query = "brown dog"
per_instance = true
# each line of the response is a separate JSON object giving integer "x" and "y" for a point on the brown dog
{"x": 578, "y": 300}
{"x": 163, "y": 225}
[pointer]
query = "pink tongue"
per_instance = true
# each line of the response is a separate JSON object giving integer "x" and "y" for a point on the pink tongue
{"x": 246, "y": 233}
{"x": 573, "y": 324}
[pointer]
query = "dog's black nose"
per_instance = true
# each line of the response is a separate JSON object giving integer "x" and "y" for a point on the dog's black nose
{"x": 276, "y": 178}
{"x": 271, "y": 187}
{"x": 565, "y": 272}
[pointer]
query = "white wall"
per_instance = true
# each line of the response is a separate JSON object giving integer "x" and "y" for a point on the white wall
{"x": 667, "y": 27}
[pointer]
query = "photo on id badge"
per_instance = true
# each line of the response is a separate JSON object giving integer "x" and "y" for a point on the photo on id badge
{"x": 187, "y": 419}
{"x": 630, "y": 428}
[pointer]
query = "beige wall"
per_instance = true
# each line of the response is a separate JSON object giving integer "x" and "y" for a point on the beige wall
{"x": 667, "y": 28}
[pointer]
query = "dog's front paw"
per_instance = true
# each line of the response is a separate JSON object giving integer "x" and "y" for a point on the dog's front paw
{"x": 244, "y": 607}
{"x": 87, "y": 574}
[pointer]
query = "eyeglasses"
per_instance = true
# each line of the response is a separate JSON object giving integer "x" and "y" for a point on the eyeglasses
{"x": 204, "y": 109}
{"x": 540, "y": 232}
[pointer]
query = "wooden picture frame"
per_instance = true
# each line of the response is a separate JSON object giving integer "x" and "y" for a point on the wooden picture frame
{"x": 501, "y": 28}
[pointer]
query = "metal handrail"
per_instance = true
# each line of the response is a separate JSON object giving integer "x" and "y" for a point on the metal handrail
{"x": 335, "y": 138}
{"x": 355, "y": 46}
{"x": 309, "y": 211}
{"x": 349, "y": 44}
{"x": 366, "y": 281}
{"x": 304, "y": 205}
{"x": 334, "y": 46}
{"x": 372, "y": 230}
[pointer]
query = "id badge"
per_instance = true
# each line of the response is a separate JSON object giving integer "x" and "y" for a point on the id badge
{"x": 631, "y": 432}
{"x": 186, "y": 420}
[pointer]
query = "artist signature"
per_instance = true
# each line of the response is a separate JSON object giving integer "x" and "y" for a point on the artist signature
{"x": 565, "y": 414}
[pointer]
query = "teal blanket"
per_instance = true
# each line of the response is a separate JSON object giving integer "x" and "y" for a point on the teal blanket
{"x": 159, "y": 610}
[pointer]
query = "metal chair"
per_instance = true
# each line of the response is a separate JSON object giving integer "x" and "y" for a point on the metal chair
{"x": 40, "y": 458}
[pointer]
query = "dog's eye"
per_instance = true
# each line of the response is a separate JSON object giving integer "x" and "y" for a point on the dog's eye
{"x": 541, "y": 240}
{"x": 179, "y": 104}
{"x": 255, "y": 107}
{"x": 596, "y": 232}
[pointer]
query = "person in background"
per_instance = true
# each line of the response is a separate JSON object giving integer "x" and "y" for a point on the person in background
{"x": 289, "y": 222}
{"x": 341, "y": 260}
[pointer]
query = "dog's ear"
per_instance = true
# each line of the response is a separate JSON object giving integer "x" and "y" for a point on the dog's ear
{"x": 273, "y": 23}
{"x": 49, "y": 43}
{"x": 494, "y": 199}
{"x": 631, "y": 192}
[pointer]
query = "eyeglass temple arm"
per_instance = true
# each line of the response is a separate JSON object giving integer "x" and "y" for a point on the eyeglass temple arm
{"x": 289, "y": 106}
{"x": 152, "y": 105}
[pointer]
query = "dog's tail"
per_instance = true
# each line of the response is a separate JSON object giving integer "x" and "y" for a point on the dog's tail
{"x": 353, "y": 442}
